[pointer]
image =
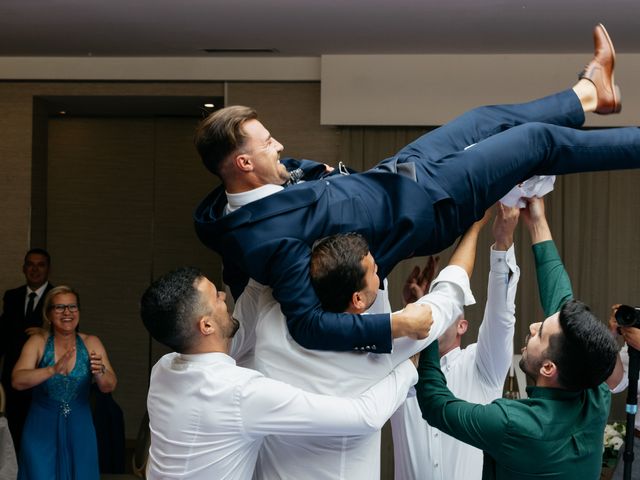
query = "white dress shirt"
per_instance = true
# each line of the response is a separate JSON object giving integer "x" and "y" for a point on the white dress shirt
{"x": 476, "y": 374}
{"x": 208, "y": 416}
{"x": 237, "y": 200}
{"x": 278, "y": 356}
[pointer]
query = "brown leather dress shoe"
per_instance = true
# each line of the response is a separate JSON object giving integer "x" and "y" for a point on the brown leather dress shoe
{"x": 600, "y": 72}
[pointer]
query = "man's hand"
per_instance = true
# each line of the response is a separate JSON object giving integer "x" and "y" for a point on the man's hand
{"x": 413, "y": 321}
{"x": 418, "y": 282}
{"x": 536, "y": 221}
{"x": 613, "y": 324}
{"x": 504, "y": 225}
{"x": 479, "y": 224}
{"x": 631, "y": 336}
{"x": 534, "y": 211}
{"x": 35, "y": 330}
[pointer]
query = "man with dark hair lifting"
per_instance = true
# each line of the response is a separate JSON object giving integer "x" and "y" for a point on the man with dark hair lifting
{"x": 556, "y": 433}
{"x": 475, "y": 373}
{"x": 415, "y": 203}
{"x": 208, "y": 416}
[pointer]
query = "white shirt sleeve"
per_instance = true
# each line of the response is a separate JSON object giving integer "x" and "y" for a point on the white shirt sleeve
{"x": 624, "y": 383}
{"x": 272, "y": 407}
{"x": 449, "y": 292}
{"x": 494, "y": 352}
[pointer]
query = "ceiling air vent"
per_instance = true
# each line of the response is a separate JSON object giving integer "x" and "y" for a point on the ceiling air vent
{"x": 241, "y": 51}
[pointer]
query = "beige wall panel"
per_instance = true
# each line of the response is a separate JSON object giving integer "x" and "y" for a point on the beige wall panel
{"x": 291, "y": 113}
{"x": 433, "y": 89}
{"x": 15, "y": 183}
{"x": 16, "y": 103}
{"x": 99, "y": 230}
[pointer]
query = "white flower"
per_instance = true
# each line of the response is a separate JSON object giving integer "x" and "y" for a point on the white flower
{"x": 614, "y": 436}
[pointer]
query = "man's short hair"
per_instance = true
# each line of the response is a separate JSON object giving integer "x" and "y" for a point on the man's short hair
{"x": 38, "y": 251}
{"x": 585, "y": 352}
{"x": 220, "y": 134}
{"x": 336, "y": 269}
{"x": 170, "y": 306}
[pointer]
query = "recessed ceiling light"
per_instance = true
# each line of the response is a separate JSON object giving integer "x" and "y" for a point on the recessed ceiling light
{"x": 209, "y": 105}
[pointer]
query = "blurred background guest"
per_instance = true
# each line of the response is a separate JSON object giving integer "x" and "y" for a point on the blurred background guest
{"x": 59, "y": 439}
{"x": 631, "y": 336}
{"x": 21, "y": 317}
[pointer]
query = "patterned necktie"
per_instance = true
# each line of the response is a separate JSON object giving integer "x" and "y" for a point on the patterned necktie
{"x": 29, "y": 311}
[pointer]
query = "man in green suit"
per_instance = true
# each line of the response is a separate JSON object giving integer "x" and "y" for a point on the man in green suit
{"x": 557, "y": 432}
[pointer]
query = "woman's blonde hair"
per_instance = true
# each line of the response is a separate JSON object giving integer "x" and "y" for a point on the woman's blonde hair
{"x": 48, "y": 302}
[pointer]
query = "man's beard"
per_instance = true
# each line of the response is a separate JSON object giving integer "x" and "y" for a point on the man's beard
{"x": 234, "y": 326}
{"x": 526, "y": 365}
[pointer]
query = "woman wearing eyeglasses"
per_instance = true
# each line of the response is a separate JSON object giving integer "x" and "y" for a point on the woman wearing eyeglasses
{"x": 59, "y": 439}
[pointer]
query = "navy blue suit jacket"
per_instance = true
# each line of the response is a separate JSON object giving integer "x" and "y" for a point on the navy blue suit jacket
{"x": 270, "y": 241}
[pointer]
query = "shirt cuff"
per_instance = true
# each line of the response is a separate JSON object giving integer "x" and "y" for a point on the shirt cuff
{"x": 457, "y": 276}
{"x": 503, "y": 261}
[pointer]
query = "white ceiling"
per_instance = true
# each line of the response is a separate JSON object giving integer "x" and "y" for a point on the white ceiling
{"x": 183, "y": 28}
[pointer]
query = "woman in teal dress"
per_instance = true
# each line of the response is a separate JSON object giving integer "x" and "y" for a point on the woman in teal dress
{"x": 59, "y": 440}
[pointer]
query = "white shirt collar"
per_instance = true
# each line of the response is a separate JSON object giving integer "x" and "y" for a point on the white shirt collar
{"x": 39, "y": 291}
{"x": 237, "y": 200}
{"x": 204, "y": 358}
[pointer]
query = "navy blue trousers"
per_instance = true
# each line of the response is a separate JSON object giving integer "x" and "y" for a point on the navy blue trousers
{"x": 511, "y": 143}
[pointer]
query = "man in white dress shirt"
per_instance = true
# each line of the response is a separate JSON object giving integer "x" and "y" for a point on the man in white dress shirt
{"x": 207, "y": 416}
{"x": 475, "y": 373}
{"x": 277, "y": 355}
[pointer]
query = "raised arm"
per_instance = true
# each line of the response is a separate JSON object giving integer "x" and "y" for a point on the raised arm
{"x": 464, "y": 256}
{"x": 495, "y": 339}
{"x": 272, "y": 407}
{"x": 554, "y": 284}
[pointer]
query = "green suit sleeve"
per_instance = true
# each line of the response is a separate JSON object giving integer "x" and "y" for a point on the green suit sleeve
{"x": 483, "y": 426}
{"x": 553, "y": 280}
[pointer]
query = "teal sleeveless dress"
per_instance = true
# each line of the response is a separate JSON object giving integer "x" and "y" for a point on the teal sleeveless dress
{"x": 59, "y": 440}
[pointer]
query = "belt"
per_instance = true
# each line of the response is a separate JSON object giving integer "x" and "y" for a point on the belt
{"x": 636, "y": 432}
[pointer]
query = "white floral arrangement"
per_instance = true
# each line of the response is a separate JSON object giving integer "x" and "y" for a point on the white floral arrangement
{"x": 614, "y": 436}
{"x": 613, "y": 439}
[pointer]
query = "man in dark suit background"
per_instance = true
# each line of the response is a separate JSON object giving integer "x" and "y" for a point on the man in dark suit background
{"x": 22, "y": 317}
{"x": 415, "y": 203}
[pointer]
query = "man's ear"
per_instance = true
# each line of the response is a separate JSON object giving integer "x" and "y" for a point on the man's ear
{"x": 206, "y": 326}
{"x": 463, "y": 325}
{"x": 358, "y": 302}
{"x": 242, "y": 162}
{"x": 549, "y": 370}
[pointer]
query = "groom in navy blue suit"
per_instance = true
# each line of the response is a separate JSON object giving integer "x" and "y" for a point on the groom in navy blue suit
{"x": 415, "y": 203}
